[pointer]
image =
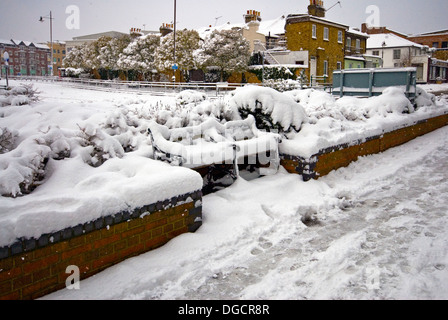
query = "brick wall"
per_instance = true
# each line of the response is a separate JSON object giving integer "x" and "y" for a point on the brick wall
{"x": 342, "y": 155}
{"x": 31, "y": 268}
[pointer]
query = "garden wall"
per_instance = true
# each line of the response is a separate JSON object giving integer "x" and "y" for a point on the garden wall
{"x": 31, "y": 268}
{"x": 342, "y": 155}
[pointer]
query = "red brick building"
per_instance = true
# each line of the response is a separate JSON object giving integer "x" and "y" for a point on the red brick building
{"x": 25, "y": 58}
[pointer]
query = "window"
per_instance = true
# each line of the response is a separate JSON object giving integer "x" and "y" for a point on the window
{"x": 339, "y": 65}
{"x": 358, "y": 44}
{"x": 340, "y": 36}
{"x": 349, "y": 42}
{"x": 435, "y": 44}
{"x": 314, "y": 30}
{"x": 326, "y": 34}
{"x": 445, "y": 44}
{"x": 397, "y": 54}
{"x": 376, "y": 52}
{"x": 301, "y": 63}
{"x": 325, "y": 68}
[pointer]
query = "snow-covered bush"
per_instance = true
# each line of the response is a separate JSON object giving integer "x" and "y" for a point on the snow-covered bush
{"x": 272, "y": 110}
{"x": 7, "y": 139}
{"x": 393, "y": 100}
{"x": 22, "y": 169}
{"x": 188, "y": 97}
{"x": 424, "y": 99}
{"x": 282, "y": 85}
{"x": 98, "y": 145}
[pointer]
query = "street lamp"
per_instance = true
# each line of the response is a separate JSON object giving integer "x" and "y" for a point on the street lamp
{"x": 42, "y": 19}
{"x": 174, "y": 56}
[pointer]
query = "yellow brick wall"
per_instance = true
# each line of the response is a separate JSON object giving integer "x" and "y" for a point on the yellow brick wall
{"x": 299, "y": 37}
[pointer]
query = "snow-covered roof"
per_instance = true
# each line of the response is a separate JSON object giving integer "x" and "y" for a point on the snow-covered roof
{"x": 41, "y": 45}
{"x": 272, "y": 27}
{"x": 432, "y": 33}
{"x": 8, "y": 42}
{"x": 358, "y": 33}
{"x": 308, "y": 17}
{"x": 354, "y": 58}
{"x": 390, "y": 40}
{"x": 205, "y": 31}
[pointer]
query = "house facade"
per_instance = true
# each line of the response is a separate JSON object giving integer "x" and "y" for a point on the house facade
{"x": 437, "y": 40}
{"x": 59, "y": 53}
{"x": 26, "y": 58}
{"x": 323, "y": 39}
{"x": 398, "y": 52}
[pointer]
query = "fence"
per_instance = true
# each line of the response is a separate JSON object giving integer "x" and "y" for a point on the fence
{"x": 162, "y": 88}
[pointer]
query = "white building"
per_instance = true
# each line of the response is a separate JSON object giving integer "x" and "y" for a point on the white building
{"x": 397, "y": 52}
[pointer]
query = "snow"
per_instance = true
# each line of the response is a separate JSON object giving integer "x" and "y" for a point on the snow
{"x": 334, "y": 121}
{"x": 76, "y": 188}
{"x": 390, "y": 40}
{"x": 368, "y": 231}
{"x": 376, "y": 233}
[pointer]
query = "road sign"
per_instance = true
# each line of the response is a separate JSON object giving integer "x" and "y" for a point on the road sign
{"x": 175, "y": 67}
{"x": 6, "y": 57}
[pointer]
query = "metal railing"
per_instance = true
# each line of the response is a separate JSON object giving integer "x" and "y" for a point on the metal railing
{"x": 162, "y": 88}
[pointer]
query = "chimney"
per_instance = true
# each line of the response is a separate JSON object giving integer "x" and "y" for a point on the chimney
{"x": 252, "y": 15}
{"x": 166, "y": 29}
{"x": 316, "y": 8}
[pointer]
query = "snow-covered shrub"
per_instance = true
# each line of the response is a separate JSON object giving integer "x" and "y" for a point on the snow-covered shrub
{"x": 58, "y": 143}
{"x": 393, "y": 100}
{"x": 187, "y": 97}
{"x": 282, "y": 85}
{"x": 7, "y": 139}
{"x": 424, "y": 99}
{"x": 22, "y": 169}
{"x": 19, "y": 96}
{"x": 99, "y": 146}
{"x": 317, "y": 103}
{"x": 272, "y": 110}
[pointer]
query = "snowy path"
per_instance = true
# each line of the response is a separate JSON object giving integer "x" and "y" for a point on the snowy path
{"x": 378, "y": 230}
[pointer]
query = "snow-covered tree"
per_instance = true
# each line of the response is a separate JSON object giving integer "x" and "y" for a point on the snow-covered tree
{"x": 77, "y": 58}
{"x": 109, "y": 52}
{"x": 139, "y": 55}
{"x": 187, "y": 42}
{"x": 226, "y": 50}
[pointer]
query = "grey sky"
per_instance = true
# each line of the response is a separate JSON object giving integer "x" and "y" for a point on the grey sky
{"x": 19, "y": 18}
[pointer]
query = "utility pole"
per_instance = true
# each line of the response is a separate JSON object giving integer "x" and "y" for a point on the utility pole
{"x": 175, "y": 18}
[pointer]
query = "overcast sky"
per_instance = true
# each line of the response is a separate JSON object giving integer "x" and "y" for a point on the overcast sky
{"x": 19, "y": 18}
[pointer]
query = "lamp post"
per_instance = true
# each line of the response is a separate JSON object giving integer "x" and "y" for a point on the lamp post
{"x": 42, "y": 19}
{"x": 174, "y": 56}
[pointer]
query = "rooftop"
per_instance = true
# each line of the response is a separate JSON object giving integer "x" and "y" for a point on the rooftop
{"x": 389, "y": 40}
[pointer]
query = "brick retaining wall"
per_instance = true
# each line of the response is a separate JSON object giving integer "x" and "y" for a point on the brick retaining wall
{"x": 342, "y": 155}
{"x": 31, "y": 268}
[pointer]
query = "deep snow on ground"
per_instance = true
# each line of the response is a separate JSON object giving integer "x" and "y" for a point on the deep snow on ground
{"x": 377, "y": 229}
